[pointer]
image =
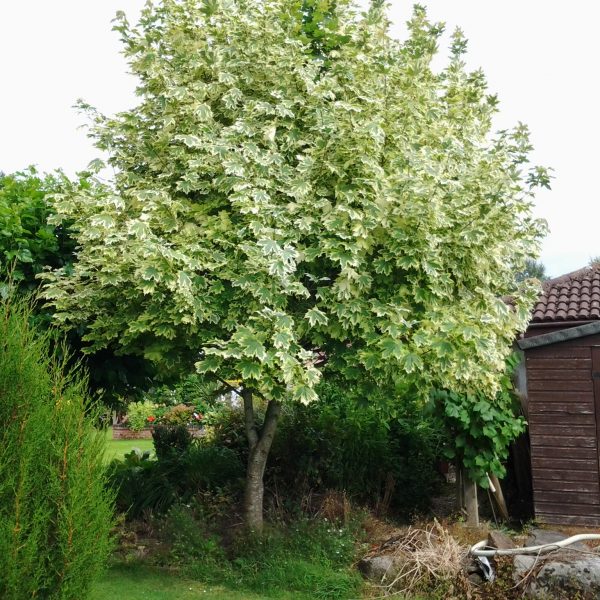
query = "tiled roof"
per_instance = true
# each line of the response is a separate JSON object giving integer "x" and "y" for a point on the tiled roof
{"x": 571, "y": 297}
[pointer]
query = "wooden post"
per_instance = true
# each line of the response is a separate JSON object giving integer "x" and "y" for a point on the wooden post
{"x": 460, "y": 498}
{"x": 471, "y": 505}
{"x": 499, "y": 497}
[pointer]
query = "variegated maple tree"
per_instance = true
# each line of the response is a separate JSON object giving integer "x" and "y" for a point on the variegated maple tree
{"x": 295, "y": 186}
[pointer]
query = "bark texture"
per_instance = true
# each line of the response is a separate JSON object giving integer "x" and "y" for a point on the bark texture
{"x": 259, "y": 442}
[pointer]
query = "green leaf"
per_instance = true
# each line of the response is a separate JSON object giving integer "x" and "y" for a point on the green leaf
{"x": 204, "y": 112}
{"x": 412, "y": 363}
{"x": 151, "y": 273}
{"x": 282, "y": 340}
{"x": 305, "y": 394}
{"x": 184, "y": 280}
{"x": 391, "y": 348}
{"x": 371, "y": 360}
{"x": 253, "y": 347}
{"x": 269, "y": 247}
{"x": 192, "y": 141}
{"x": 249, "y": 369}
{"x": 24, "y": 255}
{"x": 208, "y": 365}
{"x": 316, "y": 317}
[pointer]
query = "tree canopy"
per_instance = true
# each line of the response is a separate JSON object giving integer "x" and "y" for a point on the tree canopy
{"x": 271, "y": 202}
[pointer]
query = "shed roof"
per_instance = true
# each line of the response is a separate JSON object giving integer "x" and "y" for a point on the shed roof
{"x": 571, "y": 297}
{"x": 564, "y": 335}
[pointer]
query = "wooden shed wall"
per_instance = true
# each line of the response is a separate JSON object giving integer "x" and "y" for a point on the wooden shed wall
{"x": 563, "y": 428}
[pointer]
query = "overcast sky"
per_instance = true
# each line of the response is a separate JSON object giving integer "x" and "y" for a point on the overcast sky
{"x": 540, "y": 57}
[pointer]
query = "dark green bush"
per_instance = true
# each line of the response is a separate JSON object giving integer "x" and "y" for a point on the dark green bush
{"x": 209, "y": 468}
{"x": 480, "y": 429}
{"x": 170, "y": 440}
{"x": 55, "y": 514}
{"x": 389, "y": 464}
{"x": 228, "y": 430}
{"x": 142, "y": 484}
{"x": 27, "y": 241}
{"x": 337, "y": 443}
{"x": 30, "y": 244}
{"x": 341, "y": 443}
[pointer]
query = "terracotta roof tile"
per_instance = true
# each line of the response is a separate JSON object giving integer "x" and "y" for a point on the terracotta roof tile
{"x": 571, "y": 297}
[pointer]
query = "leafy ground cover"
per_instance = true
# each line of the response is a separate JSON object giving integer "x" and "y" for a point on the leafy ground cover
{"x": 135, "y": 582}
{"x": 304, "y": 559}
{"x": 118, "y": 448}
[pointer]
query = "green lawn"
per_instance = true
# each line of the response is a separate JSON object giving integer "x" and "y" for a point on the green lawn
{"x": 118, "y": 448}
{"x": 144, "y": 583}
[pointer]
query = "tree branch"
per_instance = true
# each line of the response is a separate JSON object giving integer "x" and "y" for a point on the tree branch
{"x": 230, "y": 387}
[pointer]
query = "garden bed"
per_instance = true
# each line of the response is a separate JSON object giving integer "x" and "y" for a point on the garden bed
{"x": 121, "y": 432}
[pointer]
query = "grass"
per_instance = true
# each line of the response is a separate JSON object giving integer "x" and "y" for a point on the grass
{"x": 118, "y": 448}
{"x": 300, "y": 562}
{"x": 304, "y": 560}
{"x": 136, "y": 582}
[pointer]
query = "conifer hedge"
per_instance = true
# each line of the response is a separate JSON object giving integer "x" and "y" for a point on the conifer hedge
{"x": 55, "y": 515}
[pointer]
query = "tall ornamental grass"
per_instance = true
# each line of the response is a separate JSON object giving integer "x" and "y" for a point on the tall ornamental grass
{"x": 55, "y": 515}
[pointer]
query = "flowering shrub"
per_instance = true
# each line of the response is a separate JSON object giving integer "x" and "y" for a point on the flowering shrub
{"x": 179, "y": 415}
{"x": 141, "y": 414}
{"x": 148, "y": 414}
{"x": 190, "y": 402}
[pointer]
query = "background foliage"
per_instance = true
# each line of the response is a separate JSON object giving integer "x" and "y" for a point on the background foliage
{"x": 28, "y": 243}
{"x": 342, "y": 442}
{"x": 349, "y": 443}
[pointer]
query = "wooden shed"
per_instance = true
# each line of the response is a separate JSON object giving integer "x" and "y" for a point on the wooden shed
{"x": 562, "y": 383}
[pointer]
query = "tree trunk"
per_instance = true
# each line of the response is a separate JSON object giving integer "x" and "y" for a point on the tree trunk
{"x": 260, "y": 445}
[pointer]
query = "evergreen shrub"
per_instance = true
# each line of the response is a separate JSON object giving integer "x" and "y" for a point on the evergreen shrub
{"x": 55, "y": 513}
{"x": 210, "y": 468}
{"x": 140, "y": 484}
{"x": 388, "y": 464}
